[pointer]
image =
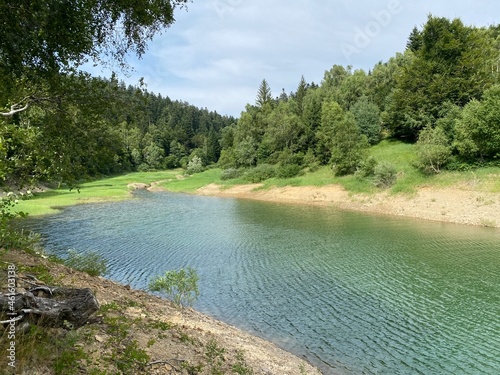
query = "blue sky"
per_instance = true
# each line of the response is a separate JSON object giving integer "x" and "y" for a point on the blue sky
{"x": 218, "y": 51}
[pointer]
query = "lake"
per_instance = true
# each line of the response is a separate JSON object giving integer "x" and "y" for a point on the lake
{"x": 351, "y": 293}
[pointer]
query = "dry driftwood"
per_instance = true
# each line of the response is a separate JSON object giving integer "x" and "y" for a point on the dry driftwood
{"x": 50, "y": 307}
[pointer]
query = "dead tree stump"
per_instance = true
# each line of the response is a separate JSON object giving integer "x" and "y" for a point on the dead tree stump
{"x": 49, "y": 307}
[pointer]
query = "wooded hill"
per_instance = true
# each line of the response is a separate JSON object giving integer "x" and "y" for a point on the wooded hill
{"x": 442, "y": 92}
{"x": 95, "y": 126}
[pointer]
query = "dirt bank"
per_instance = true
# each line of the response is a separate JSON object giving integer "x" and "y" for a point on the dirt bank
{"x": 455, "y": 205}
{"x": 175, "y": 341}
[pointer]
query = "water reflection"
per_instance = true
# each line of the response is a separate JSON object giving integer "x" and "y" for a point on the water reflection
{"x": 353, "y": 293}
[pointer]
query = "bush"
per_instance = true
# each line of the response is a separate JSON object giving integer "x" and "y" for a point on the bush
{"x": 194, "y": 166}
{"x": 171, "y": 162}
{"x": 229, "y": 174}
{"x": 385, "y": 175}
{"x": 260, "y": 173}
{"x": 143, "y": 167}
{"x": 10, "y": 237}
{"x": 181, "y": 287}
{"x": 288, "y": 171}
{"x": 91, "y": 262}
{"x": 367, "y": 167}
{"x": 433, "y": 151}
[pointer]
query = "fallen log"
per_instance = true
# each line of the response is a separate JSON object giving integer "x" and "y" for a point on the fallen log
{"x": 49, "y": 307}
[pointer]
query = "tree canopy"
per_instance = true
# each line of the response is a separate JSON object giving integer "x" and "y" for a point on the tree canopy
{"x": 61, "y": 124}
{"x": 48, "y": 35}
{"x": 441, "y": 91}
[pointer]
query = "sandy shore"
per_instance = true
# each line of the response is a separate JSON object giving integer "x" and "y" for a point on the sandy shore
{"x": 186, "y": 342}
{"x": 460, "y": 205}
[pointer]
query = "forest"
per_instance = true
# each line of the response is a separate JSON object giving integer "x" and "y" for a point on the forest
{"x": 441, "y": 93}
{"x": 61, "y": 125}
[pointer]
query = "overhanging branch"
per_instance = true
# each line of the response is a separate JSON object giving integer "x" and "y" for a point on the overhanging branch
{"x": 23, "y": 105}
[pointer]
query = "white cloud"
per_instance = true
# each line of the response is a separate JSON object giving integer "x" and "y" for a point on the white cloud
{"x": 217, "y": 53}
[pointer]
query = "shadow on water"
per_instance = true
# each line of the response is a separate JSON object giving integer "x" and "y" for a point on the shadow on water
{"x": 352, "y": 293}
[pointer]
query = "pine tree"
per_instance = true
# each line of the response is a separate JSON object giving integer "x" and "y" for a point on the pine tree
{"x": 264, "y": 95}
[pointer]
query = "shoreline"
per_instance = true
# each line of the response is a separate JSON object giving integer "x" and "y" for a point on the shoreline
{"x": 452, "y": 205}
{"x": 459, "y": 205}
{"x": 188, "y": 333}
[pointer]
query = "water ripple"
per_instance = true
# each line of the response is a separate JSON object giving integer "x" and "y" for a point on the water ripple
{"x": 351, "y": 293}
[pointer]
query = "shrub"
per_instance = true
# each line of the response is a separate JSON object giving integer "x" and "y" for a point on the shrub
{"x": 230, "y": 173}
{"x": 288, "y": 171}
{"x": 194, "y": 166}
{"x": 143, "y": 167}
{"x": 260, "y": 173}
{"x": 367, "y": 167}
{"x": 385, "y": 175}
{"x": 91, "y": 262}
{"x": 181, "y": 287}
{"x": 433, "y": 151}
{"x": 171, "y": 162}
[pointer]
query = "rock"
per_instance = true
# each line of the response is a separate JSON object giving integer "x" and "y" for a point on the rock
{"x": 99, "y": 338}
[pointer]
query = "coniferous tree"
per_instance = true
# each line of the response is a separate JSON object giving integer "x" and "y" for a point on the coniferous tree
{"x": 264, "y": 95}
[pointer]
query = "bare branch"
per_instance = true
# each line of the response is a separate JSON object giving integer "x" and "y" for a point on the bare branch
{"x": 19, "y": 317}
{"x": 168, "y": 362}
{"x": 23, "y": 105}
{"x": 16, "y": 108}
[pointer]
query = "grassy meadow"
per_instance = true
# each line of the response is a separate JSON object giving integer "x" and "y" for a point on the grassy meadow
{"x": 401, "y": 155}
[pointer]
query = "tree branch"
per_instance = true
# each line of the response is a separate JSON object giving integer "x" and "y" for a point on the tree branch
{"x": 23, "y": 105}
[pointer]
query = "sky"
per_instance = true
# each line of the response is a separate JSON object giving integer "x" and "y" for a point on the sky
{"x": 218, "y": 52}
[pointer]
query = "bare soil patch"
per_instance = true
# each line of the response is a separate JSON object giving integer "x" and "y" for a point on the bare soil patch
{"x": 462, "y": 205}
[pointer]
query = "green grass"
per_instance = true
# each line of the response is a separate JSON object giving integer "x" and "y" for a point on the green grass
{"x": 398, "y": 153}
{"x": 401, "y": 155}
{"x": 107, "y": 189}
{"x": 410, "y": 179}
{"x": 191, "y": 183}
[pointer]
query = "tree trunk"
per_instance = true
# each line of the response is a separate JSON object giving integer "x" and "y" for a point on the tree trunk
{"x": 57, "y": 307}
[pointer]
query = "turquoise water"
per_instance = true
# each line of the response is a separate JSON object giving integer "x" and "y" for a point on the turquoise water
{"x": 349, "y": 292}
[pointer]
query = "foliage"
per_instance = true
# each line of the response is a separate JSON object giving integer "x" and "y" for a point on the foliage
{"x": 288, "y": 170}
{"x": 348, "y": 147}
{"x": 215, "y": 356}
{"x": 227, "y": 158}
{"x": 446, "y": 65}
{"x": 63, "y": 35}
{"x": 179, "y": 286}
{"x": 433, "y": 150}
{"x": 260, "y": 173}
{"x": 9, "y": 237}
{"x": 451, "y": 63}
{"x": 231, "y": 173}
{"x": 385, "y": 174}
{"x": 367, "y": 115}
{"x": 477, "y": 130}
{"x": 194, "y": 166}
{"x": 246, "y": 152}
{"x": 264, "y": 95}
{"x": 153, "y": 155}
{"x": 92, "y": 263}
{"x": 366, "y": 167}
{"x": 59, "y": 124}
{"x": 102, "y": 127}
{"x": 241, "y": 367}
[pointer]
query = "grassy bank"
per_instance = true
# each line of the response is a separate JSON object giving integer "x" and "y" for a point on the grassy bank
{"x": 105, "y": 189}
{"x": 401, "y": 155}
